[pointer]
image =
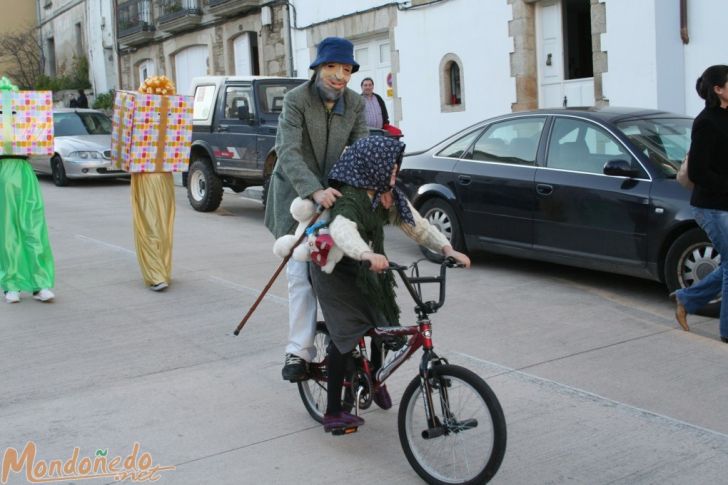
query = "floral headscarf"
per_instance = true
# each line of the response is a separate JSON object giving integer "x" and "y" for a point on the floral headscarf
{"x": 368, "y": 164}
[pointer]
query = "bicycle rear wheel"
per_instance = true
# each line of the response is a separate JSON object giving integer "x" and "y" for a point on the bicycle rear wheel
{"x": 313, "y": 391}
{"x": 468, "y": 441}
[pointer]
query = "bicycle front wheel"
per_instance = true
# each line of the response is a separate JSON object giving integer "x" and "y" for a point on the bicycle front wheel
{"x": 465, "y": 441}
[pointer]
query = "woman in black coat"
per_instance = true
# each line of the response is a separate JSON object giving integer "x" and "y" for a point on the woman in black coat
{"x": 708, "y": 170}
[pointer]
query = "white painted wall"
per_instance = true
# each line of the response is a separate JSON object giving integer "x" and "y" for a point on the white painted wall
{"x": 670, "y": 79}
{"x": 422, "y": 37}
{"x": 477, "y": 32}
{"x": 630, "y": 46}
{"x": 648, "y": 66}
{"x": 310, "y": 12}
{"x": 315, "y": 11}
{"x": 706, "y": 21}
{"x": 100, "y": 34}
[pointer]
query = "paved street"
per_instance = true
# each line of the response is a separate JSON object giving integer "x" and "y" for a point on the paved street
{"x": 598, "y": 383}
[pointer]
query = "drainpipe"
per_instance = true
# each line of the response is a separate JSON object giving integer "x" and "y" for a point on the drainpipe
{"x": 40, "y": 38}
{"x": 114, "y": 24}
{"x": 684, "y": 21}
{"x": 290, "y": 40}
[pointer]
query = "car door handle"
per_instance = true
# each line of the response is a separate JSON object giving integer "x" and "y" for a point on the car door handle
{"x": 464, "y": 179}
{"x": 222, "y": 128}
{"x": 543, "y": 189}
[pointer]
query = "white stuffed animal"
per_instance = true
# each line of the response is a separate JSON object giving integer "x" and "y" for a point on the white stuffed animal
{"x": 303, "y": 210}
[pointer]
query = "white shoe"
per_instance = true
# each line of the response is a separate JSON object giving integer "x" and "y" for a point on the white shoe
{"x": 44, "y": 295}
{"x": 159, "y": 286}
{"x": 12, "y": 296}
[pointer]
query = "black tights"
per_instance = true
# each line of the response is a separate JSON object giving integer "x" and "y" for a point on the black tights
{"x": 337, "y": 366}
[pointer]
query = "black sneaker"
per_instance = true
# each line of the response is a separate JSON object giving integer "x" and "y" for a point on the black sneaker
{"x": 295, "y": 369}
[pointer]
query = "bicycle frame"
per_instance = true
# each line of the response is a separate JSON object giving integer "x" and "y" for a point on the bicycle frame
{"x": 420, "y": 336}
{"x": 440, "y": 403}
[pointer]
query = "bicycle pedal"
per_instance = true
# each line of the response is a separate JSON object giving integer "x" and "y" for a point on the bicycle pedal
{"x": 343, "y": 431}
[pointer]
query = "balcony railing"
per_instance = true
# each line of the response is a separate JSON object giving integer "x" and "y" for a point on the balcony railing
{"x": 231, "y": 7}
{"x": 135, "y": 20}
{"x": 176, "y": 15}
{"x": 134, "y": 16}
{"x": 170, "y": 9}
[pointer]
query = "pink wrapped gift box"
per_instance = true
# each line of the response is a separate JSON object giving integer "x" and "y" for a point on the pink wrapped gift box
{"x": 151, "y": 133}
{"x": 26, "y": 123}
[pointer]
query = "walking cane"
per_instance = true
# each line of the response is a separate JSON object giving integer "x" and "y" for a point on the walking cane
{"x": 319, "y": 210}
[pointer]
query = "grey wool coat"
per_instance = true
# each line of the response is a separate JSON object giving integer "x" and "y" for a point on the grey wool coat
{"x": 308, "y": 143}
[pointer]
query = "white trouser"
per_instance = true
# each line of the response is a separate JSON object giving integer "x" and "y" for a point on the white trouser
{"x": 301, "y": 311}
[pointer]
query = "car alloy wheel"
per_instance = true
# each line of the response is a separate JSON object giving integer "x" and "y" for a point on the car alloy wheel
{"x": 691, "y": 258}
{"x": 440, "y": 214}
{"x": 697, "y": 262}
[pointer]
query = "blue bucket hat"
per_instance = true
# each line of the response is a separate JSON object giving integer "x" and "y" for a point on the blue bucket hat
{"x": 335, "y": 49}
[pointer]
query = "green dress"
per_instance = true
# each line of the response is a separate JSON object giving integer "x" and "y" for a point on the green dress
{"x": 26, "y": 261}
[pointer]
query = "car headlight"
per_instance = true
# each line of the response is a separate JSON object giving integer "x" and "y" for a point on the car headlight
{"x": 82, "y": 156}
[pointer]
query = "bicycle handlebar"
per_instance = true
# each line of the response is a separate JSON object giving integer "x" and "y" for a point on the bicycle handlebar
{"x": 409, "y": 282}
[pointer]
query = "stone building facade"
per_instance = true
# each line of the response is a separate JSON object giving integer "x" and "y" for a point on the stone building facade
{"x": 78, "y": 34}
{"x": 186, "y": 38}
{"x": 524, "y": 57}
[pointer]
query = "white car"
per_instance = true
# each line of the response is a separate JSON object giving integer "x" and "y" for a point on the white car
{"x": 82, "y": 146}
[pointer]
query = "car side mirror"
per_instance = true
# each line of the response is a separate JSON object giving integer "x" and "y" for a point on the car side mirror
{"x": 620, "y": 168}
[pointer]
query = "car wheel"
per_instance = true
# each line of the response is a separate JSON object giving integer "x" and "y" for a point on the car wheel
{"x": 691, "y": 258}
{"x": 441, "y": 215}
{"x": 204, "y": 187}
{"x": 58, "y": 172}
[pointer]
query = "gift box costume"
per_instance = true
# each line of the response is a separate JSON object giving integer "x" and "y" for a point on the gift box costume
{"x": 163, "y": 117}
{"x": 26, "y": 260}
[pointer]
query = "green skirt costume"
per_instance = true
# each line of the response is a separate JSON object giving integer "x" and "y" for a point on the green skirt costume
{"x": 26, "y": 261}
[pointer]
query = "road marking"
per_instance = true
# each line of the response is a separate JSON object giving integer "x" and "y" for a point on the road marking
{"x": 214, "y": 279}
{"x": 108, "y": 245}
{"x": 588, "y": 394}
{"x": 246, "y": 289}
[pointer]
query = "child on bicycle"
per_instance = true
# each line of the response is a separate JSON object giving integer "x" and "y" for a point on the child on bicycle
{"x": 354, "y": 298}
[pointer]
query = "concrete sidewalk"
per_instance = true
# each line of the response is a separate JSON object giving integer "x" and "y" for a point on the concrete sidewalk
{"x": 597, "y": 384}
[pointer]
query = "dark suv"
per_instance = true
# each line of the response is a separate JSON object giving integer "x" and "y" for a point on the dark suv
{"x": 234, "y": 129}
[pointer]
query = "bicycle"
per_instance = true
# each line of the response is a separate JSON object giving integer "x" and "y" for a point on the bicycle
{"x": 451, "y": 425}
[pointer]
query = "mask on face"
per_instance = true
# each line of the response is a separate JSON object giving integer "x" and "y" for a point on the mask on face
{"x": 329, "y": 94}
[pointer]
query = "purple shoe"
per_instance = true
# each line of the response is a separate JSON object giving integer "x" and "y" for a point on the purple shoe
{"x": 381, "y": 397}
{"x": 341, "y": 420}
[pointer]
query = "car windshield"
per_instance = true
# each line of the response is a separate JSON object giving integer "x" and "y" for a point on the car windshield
{"x": 80, "y": 124}
{"x": 664, "y": 140}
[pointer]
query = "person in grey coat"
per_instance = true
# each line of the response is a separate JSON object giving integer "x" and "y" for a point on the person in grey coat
{"x": 320, "y": 118}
